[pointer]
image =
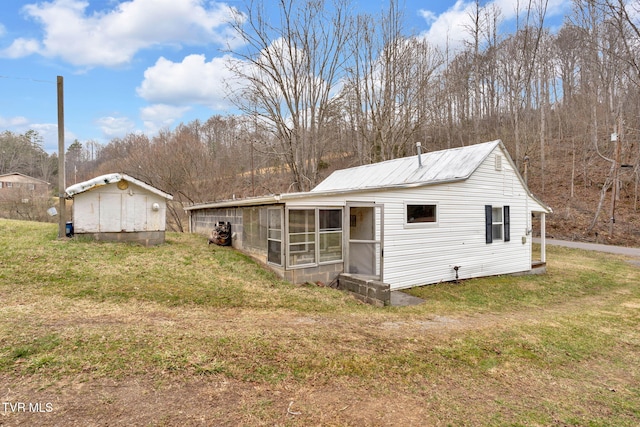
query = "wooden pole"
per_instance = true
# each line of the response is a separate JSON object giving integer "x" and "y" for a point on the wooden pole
{"x": 253, "y": 185}
{"x": 61, "y": 172}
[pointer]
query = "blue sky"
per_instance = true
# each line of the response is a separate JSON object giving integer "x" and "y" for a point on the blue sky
{"x": 138, "y": 66}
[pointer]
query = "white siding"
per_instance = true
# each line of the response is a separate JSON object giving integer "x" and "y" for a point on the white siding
{"x": 421, "y": 255}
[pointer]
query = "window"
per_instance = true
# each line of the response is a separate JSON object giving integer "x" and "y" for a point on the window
{"x": 315, "y": 236}
{"x": 274, "y": 236}
{"x": 497, "y": 223}
{"x": 421, "y": 214}
{"x": 496, "y": 226}
{"x": 302, "y": 237}
{"x": 330, "y": 233}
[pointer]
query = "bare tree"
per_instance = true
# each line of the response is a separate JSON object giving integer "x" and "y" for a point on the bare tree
{"x": 519, "y": 55}
{"x": 390, "y": 87}
{"x": 290, "y": 73}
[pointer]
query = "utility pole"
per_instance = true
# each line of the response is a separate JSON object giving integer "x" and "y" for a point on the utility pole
{"x": 61, "y": 172}
{"x": 615, "y": 137}
{"x": 253, "y": 184}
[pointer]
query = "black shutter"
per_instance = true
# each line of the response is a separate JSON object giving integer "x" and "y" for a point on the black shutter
{"x": 488, "y": 221}
{"x": 507, "y": 224}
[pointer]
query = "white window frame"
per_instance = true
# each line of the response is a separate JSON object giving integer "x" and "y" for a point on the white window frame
{"x": 317, "y": 233}
{"x": 283, "y": 252}
{"x": 421, "y": 224}
{"x": 306, "y": 243}
{"x": 495, "y": 223}
{"x": 326, "y": 231}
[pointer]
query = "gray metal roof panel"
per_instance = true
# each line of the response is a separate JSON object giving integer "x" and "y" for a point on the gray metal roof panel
{"x": 438, "y": 166}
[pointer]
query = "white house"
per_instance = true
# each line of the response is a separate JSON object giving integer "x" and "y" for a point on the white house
{"x": 118, "y": 207}
{"x": 440, "y": 216}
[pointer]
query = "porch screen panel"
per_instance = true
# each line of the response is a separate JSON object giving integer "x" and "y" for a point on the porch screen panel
{"x": 274, "y": 236}
{"x": 364, "y": 258}
{"x": 254, "y": 228}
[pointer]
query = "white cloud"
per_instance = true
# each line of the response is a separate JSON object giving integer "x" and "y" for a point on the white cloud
{"x": 47, "y": 131}
{"x": 449, "y": 29}
{"x": 3, "y": 30}
{"x": 12, "y": 122}
{"x": 112, "y": 37}
{"x": 21, "y": 47}
{"x": 159, "y": 116}
{"x": 114, "y": 127}
{"x": 192, "y": 81}
{"x": 49, "y": 134}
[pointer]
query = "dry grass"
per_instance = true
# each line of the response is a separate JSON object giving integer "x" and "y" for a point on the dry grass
{"x": 191, "y": 335}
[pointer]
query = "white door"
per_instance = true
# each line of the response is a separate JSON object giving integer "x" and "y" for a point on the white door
{"x": 364, "y": 245}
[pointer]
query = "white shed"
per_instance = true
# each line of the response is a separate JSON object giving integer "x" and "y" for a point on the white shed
{"x": 451, "y": 214}
{"x": 118, "y": 207}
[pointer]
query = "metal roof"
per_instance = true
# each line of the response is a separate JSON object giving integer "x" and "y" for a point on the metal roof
{"x": 112, "y": 178}
{"x": 439, "y": 166}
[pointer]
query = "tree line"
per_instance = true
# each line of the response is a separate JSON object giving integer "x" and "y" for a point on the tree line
{"x": 321, "y": 88}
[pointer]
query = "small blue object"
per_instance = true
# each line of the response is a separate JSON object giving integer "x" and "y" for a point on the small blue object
{"x": 69, "y": 229}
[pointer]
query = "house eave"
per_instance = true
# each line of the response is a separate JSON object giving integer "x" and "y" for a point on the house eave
{"x": 283, "y": 198}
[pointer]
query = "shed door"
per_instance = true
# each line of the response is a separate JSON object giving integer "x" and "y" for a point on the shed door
{"x": 110, "y": 217}
{"x": 364, "y": 246}
{"x": 122, "y": 212}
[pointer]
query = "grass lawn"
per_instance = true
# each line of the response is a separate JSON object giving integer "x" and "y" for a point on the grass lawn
{"x": 190, "y": 334}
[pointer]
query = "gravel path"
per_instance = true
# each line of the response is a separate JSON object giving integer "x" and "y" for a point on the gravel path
{"x": 620, "y": 250}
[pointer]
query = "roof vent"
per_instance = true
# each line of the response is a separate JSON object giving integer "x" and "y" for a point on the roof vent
{"x": 419, "y": 148}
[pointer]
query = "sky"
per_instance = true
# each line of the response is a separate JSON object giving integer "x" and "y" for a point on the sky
{"x": 139, "y": 66}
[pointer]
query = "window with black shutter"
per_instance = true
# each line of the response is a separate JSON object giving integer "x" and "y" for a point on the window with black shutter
{"x": 497, "y": 223}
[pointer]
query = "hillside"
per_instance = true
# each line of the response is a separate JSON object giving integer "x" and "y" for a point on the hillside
{"x": 573, "y": 215}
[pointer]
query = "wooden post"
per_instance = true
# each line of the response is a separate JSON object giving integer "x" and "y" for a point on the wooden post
{"x": 543, "y": 237}
{"x": 61, "y": 172}
{"x": 253, "y": 185}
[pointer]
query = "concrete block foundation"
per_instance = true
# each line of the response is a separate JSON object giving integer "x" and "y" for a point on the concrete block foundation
{"x": 367, "y": 290}
{"x": 146, "y": 238}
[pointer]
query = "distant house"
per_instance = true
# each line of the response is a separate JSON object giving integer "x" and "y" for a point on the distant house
{"x": 446, "y": 215}
{"x": 118, "y": 207}
{"x": 22, "y": 188}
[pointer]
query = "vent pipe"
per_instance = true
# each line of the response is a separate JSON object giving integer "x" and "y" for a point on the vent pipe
{"x": 419, "y": 148}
